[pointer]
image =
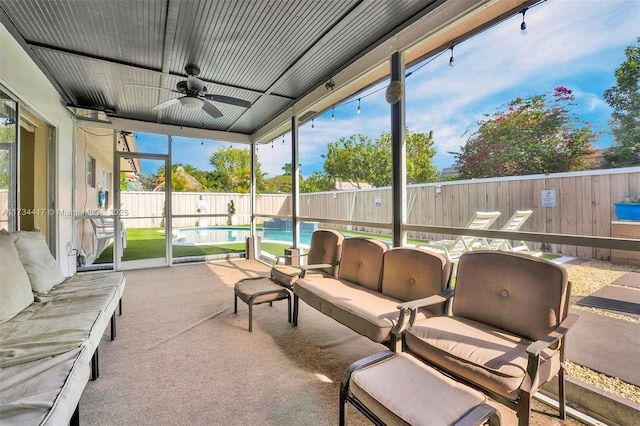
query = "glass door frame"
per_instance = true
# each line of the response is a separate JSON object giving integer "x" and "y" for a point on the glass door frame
{"x": 118, "y": 264}
{"x": 12, "y": 205}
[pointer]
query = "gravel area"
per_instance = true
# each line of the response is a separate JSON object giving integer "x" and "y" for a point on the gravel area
{"x": 586, "y": 279}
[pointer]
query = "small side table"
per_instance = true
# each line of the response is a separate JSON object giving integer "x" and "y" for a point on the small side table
{"x": 254, "y": 291}
{"x": 391, "y": 388}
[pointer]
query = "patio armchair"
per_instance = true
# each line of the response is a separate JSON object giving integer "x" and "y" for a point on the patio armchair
{"x": 452, "y": 249}
{"x": 507, "y": 329}
{"x": 322, "y": 259}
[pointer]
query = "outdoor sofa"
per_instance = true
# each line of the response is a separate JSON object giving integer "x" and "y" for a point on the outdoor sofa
{"x": 371, "y": 281}
{"x": 50, "y": 329}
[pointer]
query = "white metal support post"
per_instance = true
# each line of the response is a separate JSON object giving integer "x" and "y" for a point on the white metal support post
{"x": 295, "y": 182}
{"x": 252, "y": 246}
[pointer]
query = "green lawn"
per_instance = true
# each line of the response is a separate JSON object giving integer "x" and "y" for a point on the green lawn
{"x": 148, "y": 243}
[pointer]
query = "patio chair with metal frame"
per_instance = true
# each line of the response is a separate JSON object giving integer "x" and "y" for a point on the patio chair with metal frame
{"x": 506, "y": 333}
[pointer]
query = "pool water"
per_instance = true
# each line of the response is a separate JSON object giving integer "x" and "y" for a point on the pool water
{"x": 213, "y": 235}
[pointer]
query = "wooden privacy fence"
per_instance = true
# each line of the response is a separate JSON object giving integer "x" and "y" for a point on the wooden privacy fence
{"x": 580, "y": 203}
{"x": 583, "y": 204}
{"x": 145, "y": 209}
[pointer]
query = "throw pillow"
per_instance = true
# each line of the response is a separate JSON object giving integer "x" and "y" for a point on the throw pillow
{"x": 15, "y": 289}
{"x": 43, "y": 270}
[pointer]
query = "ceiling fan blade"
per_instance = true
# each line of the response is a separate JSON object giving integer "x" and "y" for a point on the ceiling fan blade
{"x": 194, "y": 83}
{"x": 211, "y": 110}
{"x": 228, "y": 100}
{"x": 166, "y": 104}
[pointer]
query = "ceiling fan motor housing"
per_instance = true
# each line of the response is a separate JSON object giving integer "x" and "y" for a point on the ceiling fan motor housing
{"x": 192, "y": 69}
{"x": 182, "y": 86}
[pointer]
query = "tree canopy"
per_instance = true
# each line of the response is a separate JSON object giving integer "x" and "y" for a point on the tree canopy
{"x": 317, "y": 182}
{"x": 232, "y": 168}
{"x": 359, "y": 159}
{"x": 624, "y": 98}
{"x": 531, "y": 135}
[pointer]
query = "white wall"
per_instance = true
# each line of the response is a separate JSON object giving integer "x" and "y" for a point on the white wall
{"x": 20, "y": 75}
{"x": 87, "y": 197}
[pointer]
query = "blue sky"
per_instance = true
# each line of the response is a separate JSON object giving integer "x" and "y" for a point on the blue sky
{"x": 573, "y": 43}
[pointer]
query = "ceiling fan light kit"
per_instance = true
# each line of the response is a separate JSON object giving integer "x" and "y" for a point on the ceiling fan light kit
{"x": 191, "y": 102}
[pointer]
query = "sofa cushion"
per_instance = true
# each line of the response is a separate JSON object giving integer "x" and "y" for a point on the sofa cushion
{"x": 489, "y": 357}
{"x": 400, "y": 391}
{"x": 15, "y": 288}
{"x": 363, "y": 310}
{"x": 325, "y": 248}
{"x": 43, "y": 270}
{"x": 413, "y": 273}
{"x": 511, "y": 291}
{"x": 361, "y": 261}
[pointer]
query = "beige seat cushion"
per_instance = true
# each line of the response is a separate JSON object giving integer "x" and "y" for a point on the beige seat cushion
{"x": 263, "y": 289}
{"x": 44, "y": 391}
{"x": 57, "y": 322}
{"x": 487, "y": 356}
{"x": 43, "y": 270}
{"x": 94, "y": 280}
{"x": 15, "y": 288}
{"x": 365, "y": 311}
{"x": 400, "y": 391}
{"x": 286, "y": 275}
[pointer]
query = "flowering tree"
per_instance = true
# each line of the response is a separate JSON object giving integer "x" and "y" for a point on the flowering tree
{"x": 529, "y": 135}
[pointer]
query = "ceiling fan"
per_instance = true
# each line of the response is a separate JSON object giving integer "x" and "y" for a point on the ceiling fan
{"x": 195, "y": 95}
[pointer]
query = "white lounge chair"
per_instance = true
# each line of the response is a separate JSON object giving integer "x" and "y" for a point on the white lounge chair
{"x": 513, "y": 224}
{"x": 452, "y": 249}
{"x": 103, "y": 231}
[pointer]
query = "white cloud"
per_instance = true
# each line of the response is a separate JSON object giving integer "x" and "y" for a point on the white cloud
{"x": 566, "y": 41}
{"x": 577, "y": 43}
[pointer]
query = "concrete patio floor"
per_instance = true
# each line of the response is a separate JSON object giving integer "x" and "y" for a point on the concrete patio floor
{"x": 187, "y": 311}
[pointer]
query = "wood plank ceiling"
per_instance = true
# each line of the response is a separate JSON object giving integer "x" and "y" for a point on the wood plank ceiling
{"x": 271, "y": 53}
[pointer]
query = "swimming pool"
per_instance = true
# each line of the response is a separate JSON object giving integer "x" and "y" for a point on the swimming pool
{"x": 216, "y": 235}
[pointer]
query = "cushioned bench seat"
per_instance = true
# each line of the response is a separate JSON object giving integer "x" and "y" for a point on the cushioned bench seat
{"x": 62, "y": 320}
{"x": 50, "y": 330}
{"x": 44, "y": 391}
